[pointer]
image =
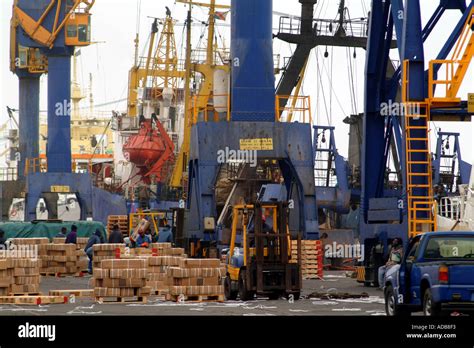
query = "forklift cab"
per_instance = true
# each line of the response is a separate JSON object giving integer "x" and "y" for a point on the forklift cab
{"x": 262, "y": 263}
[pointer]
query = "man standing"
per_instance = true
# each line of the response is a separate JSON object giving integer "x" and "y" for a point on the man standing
{"x": 72, "y": 236}
{"x": 2, "y": 240}
{"x": 62, "y": 234}
{"x": 115, "y": 236}
{"x": 165, "y": 235}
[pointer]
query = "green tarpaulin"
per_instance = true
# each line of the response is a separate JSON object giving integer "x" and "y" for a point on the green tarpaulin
{"x": 49, "y": 230}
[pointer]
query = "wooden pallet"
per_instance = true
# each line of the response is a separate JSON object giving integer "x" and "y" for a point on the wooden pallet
{"x": 195, "y": 298}
{"x": 121, "y": 300}
{"x": 62, "y": 275}
{"x": 33, "y": 300}
{"x": 76, "y": 293}
{"x": 25, "y": 294}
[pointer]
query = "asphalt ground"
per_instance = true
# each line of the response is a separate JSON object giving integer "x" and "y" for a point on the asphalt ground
{"x": 364, "y": 301}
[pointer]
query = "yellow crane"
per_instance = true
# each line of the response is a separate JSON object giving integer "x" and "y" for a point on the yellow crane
{"x": 201, "y": 100}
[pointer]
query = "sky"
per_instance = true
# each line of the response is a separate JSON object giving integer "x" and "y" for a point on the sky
{"x": 114, "y": 26}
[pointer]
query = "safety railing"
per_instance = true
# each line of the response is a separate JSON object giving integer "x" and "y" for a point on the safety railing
{"x": 450, "y": 207}
{"x": 40, "y": 165}
{"x": 455, "y": 68}
{"x": 217, "y": 108}
{"x": 296, "y": 108}
{"x": 36, "y": 165}
{"x": 8, "y": 174}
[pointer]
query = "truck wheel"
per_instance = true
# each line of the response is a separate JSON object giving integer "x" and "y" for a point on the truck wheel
{"x": 430, "y": 308}
{"x": 274, "y": 295}
{"x": 244, "y": 293}
{"x": 392, "y": 309}
{"x": 228, "y": 292}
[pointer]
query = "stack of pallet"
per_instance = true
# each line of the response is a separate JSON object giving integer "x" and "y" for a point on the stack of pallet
{"x": 106, "y": 252}
{"x": 121, "y": 221}
{"x": 196, "y": 279}
{"x": 159, "y": 272}
{"x": 122, "y": 280}
{"x": 30, "y": 241}
{"x": 19, "y": 276}
{"x": 58, "y": 259}
{"x": 311, "y": 258}
{"x": 82, "y": 259}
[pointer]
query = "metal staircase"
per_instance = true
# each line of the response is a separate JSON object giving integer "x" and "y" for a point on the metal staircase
{"x": 455, "y": 68}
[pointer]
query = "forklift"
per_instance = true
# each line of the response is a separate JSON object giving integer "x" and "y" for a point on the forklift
{"x": 260, "y": 263}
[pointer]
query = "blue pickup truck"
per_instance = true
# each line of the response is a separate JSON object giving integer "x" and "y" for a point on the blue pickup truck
{"x": 436, "y": 276}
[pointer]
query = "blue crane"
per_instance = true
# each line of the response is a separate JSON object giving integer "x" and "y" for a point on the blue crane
{"x": 388, "y": 213}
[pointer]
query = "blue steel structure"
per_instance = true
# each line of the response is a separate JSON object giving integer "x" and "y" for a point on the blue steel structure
{"x": 252, "y": 118}
{"x": 384, "y": 210}
{"x": 449, "y": 168}
{"x": 41, "y": 185}
{"x": 329, "y": 163}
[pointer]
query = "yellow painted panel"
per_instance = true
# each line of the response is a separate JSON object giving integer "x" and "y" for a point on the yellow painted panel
{"x": 470, "y": 103}
{"x": 60, "y": 189}
{"x": 256, "y": 144}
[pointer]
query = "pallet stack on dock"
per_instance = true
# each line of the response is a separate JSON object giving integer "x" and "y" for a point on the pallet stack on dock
{"x": 311, "y": 258}
{"x": 58, "y": 259}
{"x": 121, "y": 221}
{"x": 123, "y": 280}
{"x": 106, "y": 252}
{"x": 158, "y": 273}
{"x": 82, "y": 259}
{"x": 19, "y": 276}
{"x": 196, "y": 279}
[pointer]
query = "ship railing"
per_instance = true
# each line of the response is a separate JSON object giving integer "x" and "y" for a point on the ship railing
{"x": 296, "y": 109}
{"x": 8, "y": 174}
{"x": 217, "y": 108}
{"x": 325, "y": 27}
{"x": 450, "y": 207}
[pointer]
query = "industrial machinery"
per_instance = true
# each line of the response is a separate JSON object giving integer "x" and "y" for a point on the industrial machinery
{"x": 44, "y": 35}
{"x": 450, "y": 170}
{"x": 250, "y": 125}
{"x": 261, "y": 264}
{"x": 388, "y": 212}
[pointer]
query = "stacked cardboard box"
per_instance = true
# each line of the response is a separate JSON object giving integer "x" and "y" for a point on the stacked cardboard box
{"x": 121, "y": 279}
{"x": 311, "y": 258}
{"x": 30, "y": 241}
{"x": 197, "y": 278}
{"x": 159, "y": 272}
{"x": 106, "y": 252}
{"x": 19, "y": 276}
{"x": 58, "y": 259}
{"x": 82, "y": 259}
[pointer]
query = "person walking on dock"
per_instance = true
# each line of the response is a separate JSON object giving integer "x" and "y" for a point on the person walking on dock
{"x": 96, "y": 238}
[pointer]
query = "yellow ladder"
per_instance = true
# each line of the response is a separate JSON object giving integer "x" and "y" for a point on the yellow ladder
{"x": 421, "y": 208}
